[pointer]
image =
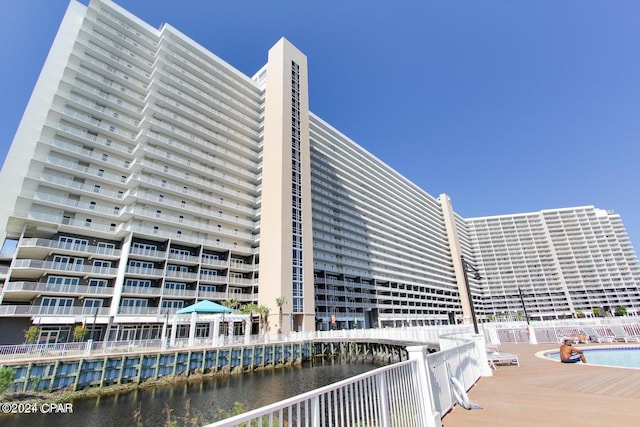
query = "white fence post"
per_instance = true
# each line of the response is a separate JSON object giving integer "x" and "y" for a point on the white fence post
{"x": 431, "y": 415}
{"x": 315, "y": 412}
{"x": 88, "y": 347}
{"x": 383, "y": 400}
{"x": 532, "y": 335}
{"x": 481, "y": 355}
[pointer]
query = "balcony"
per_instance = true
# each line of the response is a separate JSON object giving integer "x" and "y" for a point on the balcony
{"x": 215, "y": 296}
{"x": 241, "y": 281}
{"x": 183, "y": 293}
{"x": 144, "y": 272}
{"x": 78, "y": 226}
{"x": 239, "y": 265}
{"x": 39, "y": 248}
{"x": 141, "y": 290}
{"x": 187, "y": 223}
{"x": 68, "y": 184}
{"x": 183, "y": 258}
{"x": 185, "y": 275}
{"x": 37, "y": 310}
{"x": 26, "y": 291}
{"x": 139, "y": 310}
{"x": 35, "y": 268}
{"x": 214, "y": 262}
{"x": 145, "y": 253}
{"x": 198, "y": 194}
{"x": 209, "y": 241}
{"x": 207, "y": 278}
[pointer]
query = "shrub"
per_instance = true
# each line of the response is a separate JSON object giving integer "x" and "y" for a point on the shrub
{"x": 7, "y": 375}
{"x": 32, "y": 334}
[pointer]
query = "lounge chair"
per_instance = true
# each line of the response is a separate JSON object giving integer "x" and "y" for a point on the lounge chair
{"x": 594, "y": 336}
{"x": 622, "y": 335}
{"x": 497, "y": 358}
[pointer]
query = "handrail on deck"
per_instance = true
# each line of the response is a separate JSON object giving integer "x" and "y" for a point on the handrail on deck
{"x": 413, "y": 393}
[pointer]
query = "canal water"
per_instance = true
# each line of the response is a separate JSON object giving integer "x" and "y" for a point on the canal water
{"x": 204, "y": 399}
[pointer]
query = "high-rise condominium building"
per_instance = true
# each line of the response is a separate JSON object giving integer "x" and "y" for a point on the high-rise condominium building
{"x": 147, "y": 174}
{"x": 555, "y": 262}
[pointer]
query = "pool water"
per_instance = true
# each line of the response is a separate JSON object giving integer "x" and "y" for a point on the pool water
{"x": 623, "y": 357}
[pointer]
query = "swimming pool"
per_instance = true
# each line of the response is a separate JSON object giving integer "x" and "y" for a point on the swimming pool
{"x": 620, "y": 357}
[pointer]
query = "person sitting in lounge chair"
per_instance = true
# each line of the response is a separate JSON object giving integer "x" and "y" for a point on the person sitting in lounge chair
{"x": 569, "y": 354}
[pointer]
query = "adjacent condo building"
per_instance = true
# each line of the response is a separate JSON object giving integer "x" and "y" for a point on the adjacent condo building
{"x": 147, "y": 174}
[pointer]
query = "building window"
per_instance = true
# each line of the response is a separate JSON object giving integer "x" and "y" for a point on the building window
{"x": 97, "y": 283}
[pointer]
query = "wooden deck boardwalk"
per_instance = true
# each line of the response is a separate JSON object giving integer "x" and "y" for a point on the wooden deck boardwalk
{"x": 546, "y": 393}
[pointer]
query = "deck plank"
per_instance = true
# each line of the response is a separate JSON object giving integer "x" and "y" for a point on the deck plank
{"x": 543, "y": 393}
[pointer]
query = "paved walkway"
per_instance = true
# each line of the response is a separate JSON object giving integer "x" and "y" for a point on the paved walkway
{"x": 546, "y": 393}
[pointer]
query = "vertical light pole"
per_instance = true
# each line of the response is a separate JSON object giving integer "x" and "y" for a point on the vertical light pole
{"x": 465, "y": 267}
{"x": 530, "y": 333}
{"x": 524, "y": 307}
{"x": 93, "y": 326}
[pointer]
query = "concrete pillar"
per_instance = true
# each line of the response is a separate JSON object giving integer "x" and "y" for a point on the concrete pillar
{"x": 216, "y": 330}
{"x": 247, "y": 330}
{"x": 174, "y": 330}
{"x": 163, "y": 344}
{"x": 192, "y": 329}
{"x": 481, "y": 355}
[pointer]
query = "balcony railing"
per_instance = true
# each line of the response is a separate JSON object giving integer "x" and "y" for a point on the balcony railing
{"x": 38, "y": 310}
{"x": 51, "y": 266}
{"x": 185, "y": 275}
{"x": 55, "y": 288}
{"x": 139, "y": 310}
{"x": 67, "y": 246}
{"x": 417, "y": 392}
{"x": 141, "y": 290}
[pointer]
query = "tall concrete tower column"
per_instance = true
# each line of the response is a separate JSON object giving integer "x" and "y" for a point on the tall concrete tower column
{"x": 286, "y": 245}
{"x": 456, "y": 253}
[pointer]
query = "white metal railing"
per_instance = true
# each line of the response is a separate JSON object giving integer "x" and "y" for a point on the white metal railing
{"x": 387, "y": 396}
{"x": 42, "y": 287}
{"x": 42, "y": 310}
{"x": 52, "y": 266}
{"x": 416, "y": 392}
{"x": 410, "y": 335}
{"x": 413, "y": 393}
{"x": 37, "y": 351}
{"x": 552, "y": 331}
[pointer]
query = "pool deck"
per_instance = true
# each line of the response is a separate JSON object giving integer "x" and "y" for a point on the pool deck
{"x": 547, "y": 393}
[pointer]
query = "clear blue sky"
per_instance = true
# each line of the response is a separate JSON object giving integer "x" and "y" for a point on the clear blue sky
{"x": 507, "y": 106}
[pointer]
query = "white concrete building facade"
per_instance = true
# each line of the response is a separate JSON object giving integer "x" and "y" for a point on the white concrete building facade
{"x": 563, "y": 261}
